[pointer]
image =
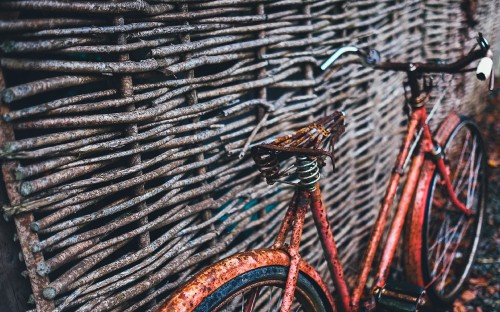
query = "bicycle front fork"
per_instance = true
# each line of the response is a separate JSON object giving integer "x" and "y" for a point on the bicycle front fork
{"x": 445, "y": 174}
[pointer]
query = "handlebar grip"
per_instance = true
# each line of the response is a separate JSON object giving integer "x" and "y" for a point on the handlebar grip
{"x": 336, "y": 55}
{"x": 484, "y": 68}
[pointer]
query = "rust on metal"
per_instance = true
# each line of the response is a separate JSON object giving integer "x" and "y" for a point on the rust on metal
{"x": 208, "y": 280}
{"x": 316, "y": 139}
{"x": 379, "y": 226}
{"x": 413, "y": 232}
{"x": 302, "y": 203}
{"x": 286, "y": 223}
{"x": 330, "y": 249}
{"x": 203, "y": 83}
{"x": 399, "y": 220}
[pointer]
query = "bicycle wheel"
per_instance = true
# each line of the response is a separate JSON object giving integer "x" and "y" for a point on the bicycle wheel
{"x": 446, "y": 238}
{"x": 269, "y": 283}
{"x": 228, "y": 284}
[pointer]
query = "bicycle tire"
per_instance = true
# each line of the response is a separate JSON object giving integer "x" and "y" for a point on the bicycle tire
{"x": 443, "y": 271}
{"x": 309, "y": 295}
{"x": 210, "y": 287}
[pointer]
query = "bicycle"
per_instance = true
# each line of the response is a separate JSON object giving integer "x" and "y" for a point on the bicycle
{"x": 443, "y": 202}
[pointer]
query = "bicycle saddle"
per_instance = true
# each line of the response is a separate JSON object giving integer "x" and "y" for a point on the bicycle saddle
{"x": 313, "y": 141}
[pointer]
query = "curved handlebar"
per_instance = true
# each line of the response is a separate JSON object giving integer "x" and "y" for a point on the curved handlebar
{"x": 334, "y": 57}
{"x": 372, "y": 58}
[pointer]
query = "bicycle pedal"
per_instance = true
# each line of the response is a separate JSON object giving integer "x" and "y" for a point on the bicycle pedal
{"x": 399, "y": 297}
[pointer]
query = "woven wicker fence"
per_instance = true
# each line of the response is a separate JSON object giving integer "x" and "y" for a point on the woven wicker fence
{"x": 126, "y": 128}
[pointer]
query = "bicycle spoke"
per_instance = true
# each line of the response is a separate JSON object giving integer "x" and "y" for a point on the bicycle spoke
{"x": 471, "y": 172}
{"x": 235, "y": 302}
{"x": 474, "y": 176}
{"x": 243, "y": 302}
{"x": 450, "y": 236}
{"x": 458, "y": 170}
{"x": 441, "y": 243}
{"x": 278, "y": 306}
{"x": 462, "y": 152}
{"x": 265, "y": 298}
{"x": 460, "y": 182}
{"x": 270, "y": 299}
{"x": 276, "y": 303}
{"x": 451, "y": 257}
{"x": 436, "y": 242}
{"x": 250, "y": 305}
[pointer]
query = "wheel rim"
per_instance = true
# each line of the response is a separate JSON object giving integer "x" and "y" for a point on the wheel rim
{"x": 451, "y": 237}
{"x": 269, "y": 298}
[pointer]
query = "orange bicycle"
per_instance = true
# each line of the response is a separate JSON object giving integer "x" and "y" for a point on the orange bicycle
{"x": 442, "y": 204}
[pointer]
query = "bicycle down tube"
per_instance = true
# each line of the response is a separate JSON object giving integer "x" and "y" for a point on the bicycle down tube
{"x": 384, "y": 210}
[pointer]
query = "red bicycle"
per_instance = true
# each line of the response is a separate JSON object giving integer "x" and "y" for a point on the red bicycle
{"x": 442, "y": 204}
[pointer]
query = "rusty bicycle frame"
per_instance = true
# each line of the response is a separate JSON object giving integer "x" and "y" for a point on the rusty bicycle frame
{"x": 311, "y": 198}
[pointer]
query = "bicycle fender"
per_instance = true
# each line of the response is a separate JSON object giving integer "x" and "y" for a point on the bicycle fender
{"x": 189, "y": 296}
{"x": 416, "y": 215}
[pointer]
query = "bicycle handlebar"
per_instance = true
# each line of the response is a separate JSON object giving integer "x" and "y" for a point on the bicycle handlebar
{"x": 433, "y": 67}
{"x": 372, "y": 58}
{"x": 334, "y": 57}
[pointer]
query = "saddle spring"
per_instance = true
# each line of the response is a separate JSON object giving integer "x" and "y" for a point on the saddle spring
{"x": 308, "y": 172}
{"x": 268, "y": 165}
